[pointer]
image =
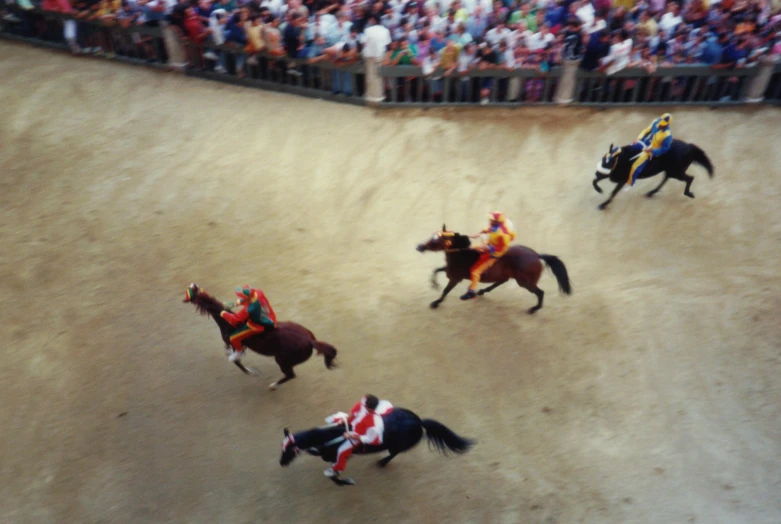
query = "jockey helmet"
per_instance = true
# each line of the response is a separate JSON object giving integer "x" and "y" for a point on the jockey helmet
{"x": 496, "y": 216}
{"x": 665, "y": 120}
{"x": 244, "y": 292}
{"x": 371, "y": 402}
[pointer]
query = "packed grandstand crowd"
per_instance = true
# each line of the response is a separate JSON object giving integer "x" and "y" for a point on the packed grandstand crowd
{"x": 450, "y": 35}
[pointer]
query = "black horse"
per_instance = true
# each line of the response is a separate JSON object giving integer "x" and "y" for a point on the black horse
{"x": 403, "y": 430}
{"x": 617, "y": 163}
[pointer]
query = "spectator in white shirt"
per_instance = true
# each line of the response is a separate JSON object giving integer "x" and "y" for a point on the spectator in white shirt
{"x": 520, "y": 35}
{"x": 496, "y": 34}
{"x": 585, "y": 12}
{"x": 541, "y": 39}
{"x": 620, "y": 53}
{"x": 671, "y": 18}
{"x": 375, "y": 39}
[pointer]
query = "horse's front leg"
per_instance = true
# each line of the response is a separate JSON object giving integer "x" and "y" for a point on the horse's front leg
{"x": 247, "y": 371}
{"x": 450, "y": 285}
{"x": 597, "y": 179}
{"x": 604, "y": 204}
{"x": 434, "y": 282}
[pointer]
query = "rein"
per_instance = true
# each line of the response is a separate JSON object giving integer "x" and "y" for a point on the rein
{"x": 340, "y": 438}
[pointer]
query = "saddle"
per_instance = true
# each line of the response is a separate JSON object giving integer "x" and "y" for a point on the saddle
{"x": 396, "y": 422}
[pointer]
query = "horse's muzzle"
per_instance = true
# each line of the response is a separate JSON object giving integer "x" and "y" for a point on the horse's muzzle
{"x": 421, "y": 248}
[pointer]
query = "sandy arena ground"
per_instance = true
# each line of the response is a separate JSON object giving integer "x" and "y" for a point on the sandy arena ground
{"x": 651, "y": 395}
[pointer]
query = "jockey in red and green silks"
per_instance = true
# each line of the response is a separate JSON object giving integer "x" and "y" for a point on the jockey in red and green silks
{"x": 256, "y": 316}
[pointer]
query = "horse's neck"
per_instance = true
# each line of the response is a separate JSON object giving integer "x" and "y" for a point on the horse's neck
{"x": 317, "y": 436}
{"x": 453, "y": 257}
{"x": 224, "y": 325}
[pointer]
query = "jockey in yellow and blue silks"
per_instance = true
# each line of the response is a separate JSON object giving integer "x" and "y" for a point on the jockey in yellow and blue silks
{"x": 653, "y": 141}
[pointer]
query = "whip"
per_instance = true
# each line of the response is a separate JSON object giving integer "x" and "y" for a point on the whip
{"x": 640, "y": 153}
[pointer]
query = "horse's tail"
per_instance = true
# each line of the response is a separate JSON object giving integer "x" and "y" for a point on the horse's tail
{"x": 327, "y": 350}
{"x": 560, "y": 271}
{"x": 702, "y": 159}
{"x": 444, "y": 439}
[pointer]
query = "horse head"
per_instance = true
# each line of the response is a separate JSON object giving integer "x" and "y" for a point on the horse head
{"x": 609, "y": 161}
{"x": 205, "y": 304}
{"x": 289, "y": 449}
{"x": 444, "y": 241}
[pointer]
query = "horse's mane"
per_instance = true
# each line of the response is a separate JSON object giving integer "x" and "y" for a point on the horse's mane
{"x": 206, "y": 304}
{"x": 460, "y": 241}
{"x": 319, "y": 435}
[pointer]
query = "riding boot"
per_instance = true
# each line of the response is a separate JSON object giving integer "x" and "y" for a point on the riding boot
{"x": 469, "y": 295}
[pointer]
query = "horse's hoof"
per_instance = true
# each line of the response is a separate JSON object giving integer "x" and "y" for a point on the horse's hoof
{"x": 434, "y": 305}
{"x": 534, "y": 310}
{"x": 273, "y": 387}
{"x": 255, "y": 372}
{"x": 690, "y": 194}
{"x": 650, "y": 194}
{"x": 602, "y": 207}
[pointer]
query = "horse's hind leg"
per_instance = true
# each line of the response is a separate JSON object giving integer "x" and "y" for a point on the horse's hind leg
{"x": 540, "y": 296}
{"x": 618, "y": 187}
{"x": 688, "y": 179}
{"x": 491, "y": 287}
{"x": 289, "y": 375}
{"x": 384, "y": 461}
{"x": 654, "y": 191}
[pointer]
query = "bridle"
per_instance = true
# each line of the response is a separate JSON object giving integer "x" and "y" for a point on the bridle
{"x": 615, "y": 157}
{"x": 445, "y": 236}
{"x": 290, "y": 439}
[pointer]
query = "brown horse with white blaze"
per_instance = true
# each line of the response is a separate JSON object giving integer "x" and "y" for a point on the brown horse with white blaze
{"x": 520, "y": 263}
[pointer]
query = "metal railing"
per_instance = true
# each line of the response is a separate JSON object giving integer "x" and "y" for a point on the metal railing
{"x": 402, "y": 85}
{"x": 320, "y": 79}
{"x": 134, "y": 44}
{"x": 406, "y": 86}
{"x": 773, "y": 91}
{"x": 667, "y": 85}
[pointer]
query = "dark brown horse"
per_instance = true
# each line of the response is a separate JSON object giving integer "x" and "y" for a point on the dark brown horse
{"x": 290, "y": 344}
{"x": 520, "y": 263}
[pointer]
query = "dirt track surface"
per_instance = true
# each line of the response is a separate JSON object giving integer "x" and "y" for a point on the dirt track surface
{"x": 649, "y": 395}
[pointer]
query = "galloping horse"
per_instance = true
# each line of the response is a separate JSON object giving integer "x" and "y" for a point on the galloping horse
{"x": 617, "y": 163}
{"x": 290, "y": 344}
{"x": 403, "y": 431}
{"x": 520, "y": 263}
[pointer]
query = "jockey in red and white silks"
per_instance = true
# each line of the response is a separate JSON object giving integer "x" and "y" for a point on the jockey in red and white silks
{"x": 365, "y": 420}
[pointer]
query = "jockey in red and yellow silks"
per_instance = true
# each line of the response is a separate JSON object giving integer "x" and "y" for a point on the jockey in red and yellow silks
{"x": 500, "y": 233}
{"x": 367, "y": 428}
{"x": 256, "y": 316}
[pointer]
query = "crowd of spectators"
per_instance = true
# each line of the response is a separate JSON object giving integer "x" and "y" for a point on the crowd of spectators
{"x": 444, "y": 37}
